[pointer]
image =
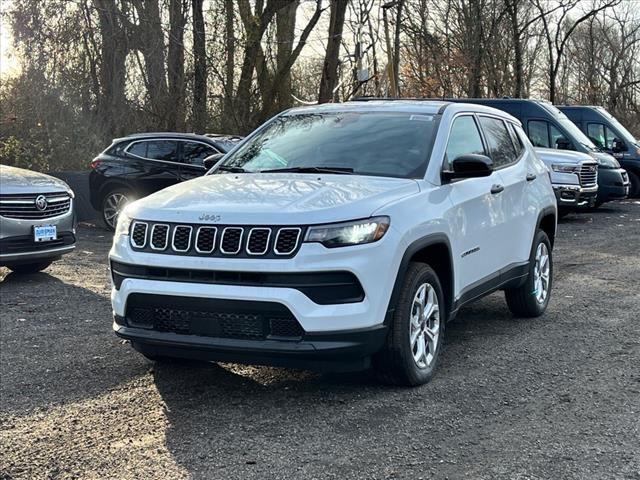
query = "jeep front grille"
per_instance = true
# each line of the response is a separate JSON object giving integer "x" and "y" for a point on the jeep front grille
{"x": 589, "y": 174}
{"x": 33, "y": 207}
{"x": 219, "y": 241}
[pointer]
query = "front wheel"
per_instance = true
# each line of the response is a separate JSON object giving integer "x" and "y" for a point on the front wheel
{"x": 414, "y": 342}
{"x": 34, "y": 267}
{"x": 531, "y": 298}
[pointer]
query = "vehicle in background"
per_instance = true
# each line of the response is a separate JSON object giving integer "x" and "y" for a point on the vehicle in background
{"x": 574, "y": 178}
{"x": 548, "y": 127}
{"x": 138, "y": 165}
{"x": 37, "y": 221}
{"x": 607, "y": 133}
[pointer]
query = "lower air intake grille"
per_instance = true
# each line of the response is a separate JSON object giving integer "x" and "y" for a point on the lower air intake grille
{"x": 243, "y": 320}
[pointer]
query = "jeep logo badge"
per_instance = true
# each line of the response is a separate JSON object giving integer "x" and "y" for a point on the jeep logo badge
{"x": 41, "y": 202}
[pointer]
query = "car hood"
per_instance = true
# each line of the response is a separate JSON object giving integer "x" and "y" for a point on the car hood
{"x": 605, "y": 156}
{"x": 19, "y": 180}
{"x": 273, "y": 198}
{"x": 549, "y": 155}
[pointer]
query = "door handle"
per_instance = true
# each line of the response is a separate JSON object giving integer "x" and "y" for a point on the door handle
{"x": 531, "y": 177}
{"x": 496, "y": 189}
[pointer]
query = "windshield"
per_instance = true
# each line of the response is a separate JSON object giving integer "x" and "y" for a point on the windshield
{"x": 626, "y": 134}
{"x": 576, "y": 133}
{"x": 363, "y": 143}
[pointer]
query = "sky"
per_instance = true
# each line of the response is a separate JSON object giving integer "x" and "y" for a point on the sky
{"x": 8, "y": 63}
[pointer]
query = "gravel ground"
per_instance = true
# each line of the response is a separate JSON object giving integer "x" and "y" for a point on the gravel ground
{"x": 551, "y": 398}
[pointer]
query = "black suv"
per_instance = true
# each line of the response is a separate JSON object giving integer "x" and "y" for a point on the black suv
{"x": 140, "y": 164}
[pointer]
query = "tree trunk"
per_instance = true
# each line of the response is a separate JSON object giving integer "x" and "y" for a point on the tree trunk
{"x": 285, "y": 35}
{"x": 396, "y": 46}
{"x": 175, "y": 66}
{"x": 112, "y": 101}
{"x": 329, "y": 78}
{"x": 199, "y": 69}
{"x": 228, "y": 115}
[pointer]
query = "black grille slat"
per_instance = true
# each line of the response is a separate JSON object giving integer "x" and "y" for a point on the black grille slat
{"x": 231, "y": 240}
{"x": 205, "y": 240}
{"x": 139, "y": 234}
{"x": 159, "y": 236}
{"x": 258, "y": 241}
{"x": 182, "y": 238}
{"x": 285, "y": 327}
{"x": 287, "y": 240}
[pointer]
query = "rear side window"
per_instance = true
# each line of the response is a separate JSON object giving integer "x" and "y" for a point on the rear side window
{"x": 499, "y": 141}
{"x": 166, "y": 150}
{"x": 193, "y": 153}
{"x": 464, "y": 139}
{"x": 539, "y": 133}
{"x": 139, "y": 149}
{"x": 517, "y": 143}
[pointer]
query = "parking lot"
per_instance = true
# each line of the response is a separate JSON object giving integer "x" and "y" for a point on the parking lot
{"x": 553, "y": 397}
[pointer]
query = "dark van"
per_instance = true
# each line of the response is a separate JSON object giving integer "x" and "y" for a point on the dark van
{"x": 609, "y": 134}
{"x": 548, "y": 127}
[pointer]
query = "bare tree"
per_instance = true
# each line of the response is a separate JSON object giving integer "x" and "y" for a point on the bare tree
{"x": 199, "y": 68}
{"x": 329, "y": 79}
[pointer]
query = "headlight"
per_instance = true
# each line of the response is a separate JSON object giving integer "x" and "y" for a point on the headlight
{"x": 565, "y": 167}
{"x": 349, "y": 233}
{"x": 122, "y": 227}
{"x": 607, "y": 162}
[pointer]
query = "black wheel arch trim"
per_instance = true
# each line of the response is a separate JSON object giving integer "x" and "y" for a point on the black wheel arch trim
{"x": 547, "y": 211}
{"x": 418, "y": 245}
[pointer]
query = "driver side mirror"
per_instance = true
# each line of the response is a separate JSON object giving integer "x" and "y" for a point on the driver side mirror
{"x": 563, "y": 144}
{"x": 211, "y": 160}
{"x": 469, "y": 166}
{"x": 618, "y": 146}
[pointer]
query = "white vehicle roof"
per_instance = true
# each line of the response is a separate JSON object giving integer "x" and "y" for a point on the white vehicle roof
{"x": 425, "y": 107}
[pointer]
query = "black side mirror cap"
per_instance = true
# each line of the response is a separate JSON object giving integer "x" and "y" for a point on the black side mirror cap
{"x": 211, "y": 160}
{"x": 469, "y": 166}
{"x": 618, "y": 145}
{"x": 563, "y": 144}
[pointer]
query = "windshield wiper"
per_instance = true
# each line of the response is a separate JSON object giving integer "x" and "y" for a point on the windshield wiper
{"x": 230, "y": 168}
{"x": 336, "y": 170}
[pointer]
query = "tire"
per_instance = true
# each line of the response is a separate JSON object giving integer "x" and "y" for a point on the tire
{"x": 114, "y": 201}
{"x": 398, "y": 362}
{"x": 30, "y": 267}
{"x": 634, "y": 188}
{"x": 531, "y": 298}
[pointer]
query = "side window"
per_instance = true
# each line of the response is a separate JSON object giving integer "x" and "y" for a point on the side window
{"x": 517, "y": 143}
{"x": 539, "y": 133}
{"x": 595, "y": 132}
{"x": 194, "y": 153}
{"x": 555, "y": 135}
{"x": 464, "y": 139}
{"x": 139, "y": 149}
{"x": 500, "y": 144}
{"x": 163, "y": 150}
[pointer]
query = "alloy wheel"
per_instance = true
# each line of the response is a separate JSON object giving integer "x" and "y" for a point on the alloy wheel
{"x": 113, "y": 205}
{"x": 541, "y": 272}
{"x": 424, "y": 327}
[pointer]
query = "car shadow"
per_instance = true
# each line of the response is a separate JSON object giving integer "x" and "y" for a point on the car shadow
{"x": 217, "y": 413}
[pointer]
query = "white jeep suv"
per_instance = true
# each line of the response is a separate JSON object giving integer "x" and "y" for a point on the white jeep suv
{"x": 337, "y": 237}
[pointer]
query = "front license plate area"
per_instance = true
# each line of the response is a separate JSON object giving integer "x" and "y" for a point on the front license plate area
{"x": 44, "y": 233}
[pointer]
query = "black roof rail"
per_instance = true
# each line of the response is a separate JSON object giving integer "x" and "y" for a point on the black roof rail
{"x": 409, "y": 99}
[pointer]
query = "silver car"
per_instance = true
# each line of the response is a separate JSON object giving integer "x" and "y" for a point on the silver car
{"x": 37, "y": 220}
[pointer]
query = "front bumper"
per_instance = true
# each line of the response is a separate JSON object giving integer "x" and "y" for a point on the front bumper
{"x": 333, "y": 335}
{"x": 613, "y": 184}
{"x": 328, "y": 351}
{"x": 575, "y": 196}
{"x": 18, "y": 247}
